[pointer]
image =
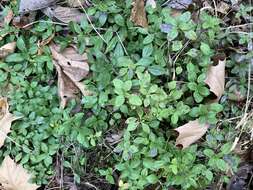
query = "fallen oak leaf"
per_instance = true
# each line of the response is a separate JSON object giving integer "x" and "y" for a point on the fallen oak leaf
{"x": 67, "y": 90}
{"x": 138, "y": 13}
{"x": 216, "y": 78}
{"x": 73, "y": 64}
{"x": 71, "y": 68}
{"x": 14, "y": 177}
{"x": 7, "y": 49}
{"x": 6, "y": 118}
{"x": 190, "y": 133}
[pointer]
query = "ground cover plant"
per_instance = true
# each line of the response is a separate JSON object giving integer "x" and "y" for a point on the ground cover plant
{"x": 125, "y": 94}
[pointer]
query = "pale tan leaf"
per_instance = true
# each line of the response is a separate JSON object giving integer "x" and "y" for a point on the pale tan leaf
{"x": 190, "y": 133}
{"x": 7, "y": 49}
{"x": 6, "y": 119}
{"x": 14, "y": 177}
{"x": 138, "y": 13}
{"x": 216, "y": 78}
{"x": 33, "y": 5}
{"x": 8, "y": 17}
{"x": 66, "y": 88}
{"x": 64, "y": 14}
{"x": 73, "y": 64}
{"x": 71, "y": 68}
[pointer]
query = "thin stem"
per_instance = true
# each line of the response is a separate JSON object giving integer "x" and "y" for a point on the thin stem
{"x": 87, "y": 16}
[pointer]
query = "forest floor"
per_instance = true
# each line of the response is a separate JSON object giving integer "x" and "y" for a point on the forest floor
{"x": 126, "y": 94}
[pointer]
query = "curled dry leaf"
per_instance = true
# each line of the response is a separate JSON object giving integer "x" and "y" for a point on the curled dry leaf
{"x": 6, "y": 119}
{"x": 14, "y": 177}
{"x": 71, "y": 68}
{"x": 64, "y": 14}
{"x": 216, "y": 78}
{"x": 138, "y": 13}
{"x": 190, "y": 133}
{"x": 7, "y": 49}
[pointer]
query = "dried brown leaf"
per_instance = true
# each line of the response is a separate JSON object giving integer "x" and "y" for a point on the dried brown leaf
{"x": 64, "y": 14}
{"x": 72, "y": 68}
{"x": 14, "y": 177}
{"x": 67, "y": 90}
{"x": 216, "y": 78}
{"x": 7, "y": 49}
{"x": 33, "y": 5}
{"x": 8, "y": 17}
{"x": 138, "y": 13}
{"x": 6, "y": 119}
{"x": 190, "y": 133}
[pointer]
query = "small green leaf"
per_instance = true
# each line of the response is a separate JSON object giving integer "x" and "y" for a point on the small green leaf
{"x": 119, "y": 101}
{"x": 156, "y": 70}
{"x": 15, "y": 57}
{"x": 147, "y": 50}
{"x": 191, "y": 35}
{"x": 21, "y": 44}
{"x": 205, "y": 49}
{"x": 209, "y": 175}
{"x": 145, "y": 128}
{"x": 135, "y": 100}
{"x": 148, "y": 39}
{"x": 118, "y": 83}
{"x": 152, "y": 179}
{"x": 111, "y": 45}
{"x": 198, "y": 98}
{"x": 172, "y": 34}
{"x": 216, "y": 107}
{"x": 177, "y": 45}
{"x": 119, "y": 20}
